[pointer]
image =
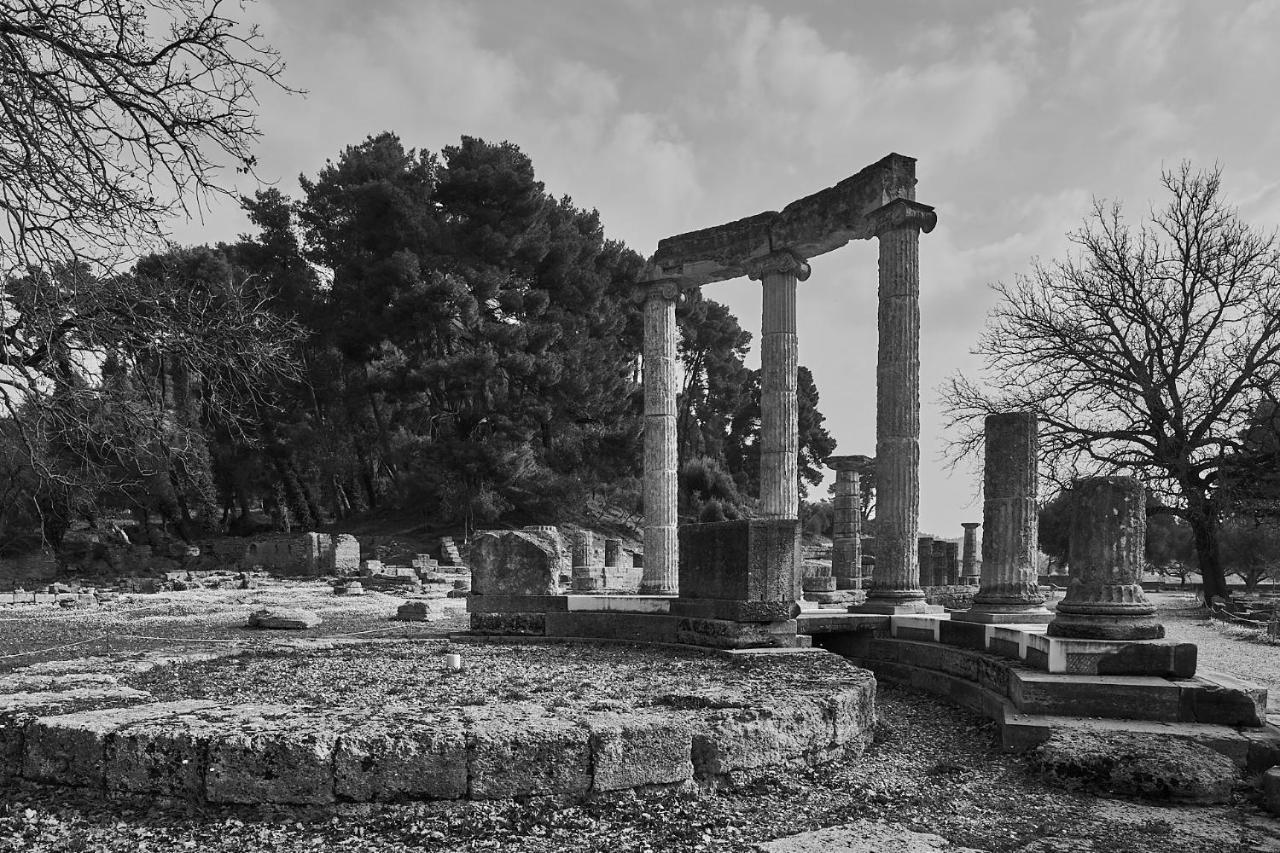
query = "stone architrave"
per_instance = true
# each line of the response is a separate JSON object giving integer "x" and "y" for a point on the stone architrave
{"x": 779, "y": 406}
{"x": 969, "y": 558}
{"x": 1104, "y": 598}
{"x": 661, "y": 545}
{"x": 895, "y": 584}
{"x": 846, "y": 533}
{"x": 1009, "y": 590}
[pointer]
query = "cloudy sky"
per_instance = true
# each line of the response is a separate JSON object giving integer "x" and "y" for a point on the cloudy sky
{"x": 669, "y": 116}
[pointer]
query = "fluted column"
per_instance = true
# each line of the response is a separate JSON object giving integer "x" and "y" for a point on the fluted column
{"x": 1104, "y": 599}
{"x": 969, "y": 557}
{"x": 846, "y": 533}
{"x": 779, "y": 408}
{"x": 661, "y": 556}
{"x": 895, "y": 583}
{"x": 1010, "y": 591}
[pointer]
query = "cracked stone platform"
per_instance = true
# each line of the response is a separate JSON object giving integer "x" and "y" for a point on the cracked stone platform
{"x": 85, "y": 730}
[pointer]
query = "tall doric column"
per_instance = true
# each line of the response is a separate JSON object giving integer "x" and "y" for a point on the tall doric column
{"x": 969, "y": 557}
{"x": 895, "y": 583}
{"x": 1010, "y": 589}
{"x": 661, "y": 563}
{"x": 846, "y": 533}
{"x": 779, "y": 409}
{"x": 1104, "y": 599}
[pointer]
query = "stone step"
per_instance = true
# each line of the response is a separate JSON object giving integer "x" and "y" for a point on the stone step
{"x": 1206, "y": 698}
{"x": 449, "y": 551}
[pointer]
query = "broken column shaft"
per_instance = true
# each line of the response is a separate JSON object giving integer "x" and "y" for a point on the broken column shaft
{"x": 1104, "y": 599}
{"x": 969, "y": 557}
{"x": 1010, "y": 591}
{"x": 846, "y": 532}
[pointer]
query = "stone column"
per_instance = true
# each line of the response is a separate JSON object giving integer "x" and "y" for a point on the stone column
{"x": 661, "y": 563}
{"x": 1104, "y": 599}
{"x": 924, "y": 552}
{"x": 969, "y": 557}
{"x": 779, "y": 408}
{"x": 583, "y": 578}
{"x": 612, "y": 548}
{"x": 846, "y": 533}
{"x": 895, "y": 583}
{"x": 1010, "y": 591}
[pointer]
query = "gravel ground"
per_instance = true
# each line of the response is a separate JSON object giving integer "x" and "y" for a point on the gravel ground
{"x": 932, "y": 767}
{"x": 567, "y": 677}
{"x": 1242, "y": 652}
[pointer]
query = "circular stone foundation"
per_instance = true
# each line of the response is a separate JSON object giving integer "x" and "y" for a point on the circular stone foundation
{"x": 387, "y": 721}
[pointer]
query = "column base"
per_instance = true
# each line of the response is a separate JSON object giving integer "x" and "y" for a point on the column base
{"x": 819, "y": 584}
{"x": 655, "y": 589}
{"x": 896, "y": 602}
{"x": 1030, "y": 616}
{"x": 848, "y": 583}
{"x": 1105, "y": 626}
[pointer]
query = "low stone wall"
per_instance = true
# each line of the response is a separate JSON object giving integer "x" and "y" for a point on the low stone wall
{"x": 219, "y": 753}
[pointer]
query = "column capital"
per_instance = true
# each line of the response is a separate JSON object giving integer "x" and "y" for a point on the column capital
{"x": 781, "y": 261}
{"x": 971, "y": 525}
{"x": 658, "y": 288}
{"x": 859, "y": 464}
{"x": 903, "y": 213}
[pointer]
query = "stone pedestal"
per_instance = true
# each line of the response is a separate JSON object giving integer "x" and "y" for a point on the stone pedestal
{"x": 779, "y": 407}
{"x": 846, "y": 533}
{"x": 660, "y": 520}
{"x": 1104, "y": 599}
{"x": 895, "y": 585}
{"x": 969, "y": 556}
{"x": 1009, "y": 590}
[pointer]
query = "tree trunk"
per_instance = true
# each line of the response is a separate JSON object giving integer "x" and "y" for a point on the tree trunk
{"x": 1203, "y": 519}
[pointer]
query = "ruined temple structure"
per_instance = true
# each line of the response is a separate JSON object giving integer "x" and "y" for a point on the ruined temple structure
{"x": 774, "y": 248}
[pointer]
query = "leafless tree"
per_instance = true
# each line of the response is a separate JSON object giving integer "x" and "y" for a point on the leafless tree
{"x": 1146, "y": 352}
{"x": 116, "y": 115}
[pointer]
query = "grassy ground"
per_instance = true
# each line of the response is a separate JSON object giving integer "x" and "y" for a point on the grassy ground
{"x": 932, "y": 767}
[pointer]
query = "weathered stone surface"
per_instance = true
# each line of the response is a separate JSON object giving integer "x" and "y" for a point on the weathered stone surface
{"x": 534, "y": 624}
{"x": 348, "y": 588}
{"x": 1104, "y": 599}
{"x": 863, "y": 836}
{"x": 630, "y": 750}
{"x": 969, "y": 558}
{"x": 162, "y": 753}
{"x": 753, "y": 738}
{"x": 514, "y": 562}
{"x": 544, "y": 755}
{"x": 345, "y": 554}
{"x": 416, "y": 611}
{"x": 1271, "y": 790}
{"x": 265, "y": 754}
{"x": 779, "y": 409}
{"x": 660, "y": 575}
{"x": 384, "y": 759}
{"x": 846, "y": 542}
{"x": 69, "y": 749}
{"x": 750, "y": 560}
{"x": 1010, "y": 516}
{"x": 1136, "y": 765}
{"x": 726, "y": 634}
{"x": 283, "y": 618}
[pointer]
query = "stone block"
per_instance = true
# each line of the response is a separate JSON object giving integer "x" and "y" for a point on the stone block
{"x": 381, "y": 760}
{"x": 755, "y": 738}
{"x": 1214, "y": 697}
{"x": 726, "y": 634}
{"x": 1271, "y": 790}
{"x": 514, "y": 562}
{"x": 283, "y": 618}
{"x": 490, "y": 603}
{"x": 734, "y": 611}
{"x": 612, "y": 625}
{"x": 544, "y": 756}
{"x": 750, "y": 560}
{"x": 968, "y": 635}
{"x": 265, "y": 754}
{"x": 70, "y": 749}
{"x": 416, "y": 611}
{"x": 162, "y": 754}
{"x": 630, "y": 750}
{"x": 529, "y": 624}
{"x": 1132, "y": 697}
